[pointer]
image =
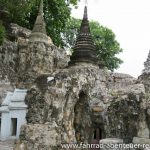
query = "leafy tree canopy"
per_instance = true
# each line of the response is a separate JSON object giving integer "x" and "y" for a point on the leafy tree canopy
{"x": 24, "y": 12}
{"x": 106, "y": 45}
{"x": 60, "y": 27}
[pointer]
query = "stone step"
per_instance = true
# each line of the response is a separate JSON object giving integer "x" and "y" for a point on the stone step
{"x": 7, "y": 145}
{"x": 2, "y": 147}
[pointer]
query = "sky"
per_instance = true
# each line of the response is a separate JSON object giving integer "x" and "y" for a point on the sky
{"x": 130, "y": 21}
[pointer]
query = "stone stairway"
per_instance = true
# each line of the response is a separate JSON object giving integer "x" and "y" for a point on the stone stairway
{"x": 7, "y": 145}
{"x": 2, "y": 147}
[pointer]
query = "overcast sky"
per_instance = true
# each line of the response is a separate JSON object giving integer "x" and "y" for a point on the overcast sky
{"x": 130, "y": 21}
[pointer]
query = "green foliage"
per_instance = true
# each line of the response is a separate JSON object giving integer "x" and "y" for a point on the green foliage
{"x": 17, "y": 10}
{"x": 106, "y": 45}
{"x": 60, "y": 27}
{"x": 56, "y": 14}
{"x": 70, "y": 33}
{"x": 2, "y": 33}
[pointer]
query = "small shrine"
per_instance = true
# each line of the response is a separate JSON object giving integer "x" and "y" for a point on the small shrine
{"x": 13, "y": 113}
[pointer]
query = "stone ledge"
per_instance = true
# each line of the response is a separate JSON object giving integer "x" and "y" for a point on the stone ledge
{"x": 138, "y": 140}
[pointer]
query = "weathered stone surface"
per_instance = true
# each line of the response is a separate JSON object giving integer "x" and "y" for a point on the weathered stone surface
{"x": 111, "y": 140}
{"x": 40, "y": 58}
{"x": 147, "y": 148}
{"x": 8, "y": 57}
{"x": 147, "y": 65}
{"x": 124, "y": 115}
{"x": 9, "y": 52}
{"x": 7, "y": 145}
{"x": 118, "y": 81}
{"x": 69, "y": 104}
{"x": 145, "y": 79}
{"x": 5, "y": 85}
{"x": 137, "y": 140}
{"x": 66, "y": 101}
{"x": 143, "y": 129}
{"x": 17, "y": 31}
{"x": 109, "y": 143}
{"x": 18, "y": 58}
{"x": 41, "y": 136}
{"x": 65, "y": 105}
{"x": 77, "y": 100}
{"x": 75, "y": 103}
{"x": 97, "y": 109}
{"x": 39, "y": 30}
{"x": 20, "y": 146}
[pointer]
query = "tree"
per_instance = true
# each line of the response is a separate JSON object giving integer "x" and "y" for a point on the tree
{"x": 24, "y": 12}
{"x": 2, "y": 33}
{"x": 60, "y": 27}
{"x": 106, "y": 45}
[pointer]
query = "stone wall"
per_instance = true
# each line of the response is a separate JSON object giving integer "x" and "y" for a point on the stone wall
{"x": 127, "y": 111}
{"x": 66, "y": 104}
{"x": 119, "y": 80}
{"x": 39, "y": 58}
{"x": 145, "y": 79}
{"x": 125, "y": 114}
{"x": 8, "y": 57}
{"x": 16, "y": 32}
{"x": 146, "y": 69}
{"x": 75, "y": 102}
{"x": 5, "y": 86}
{"x": 18, "y": 57}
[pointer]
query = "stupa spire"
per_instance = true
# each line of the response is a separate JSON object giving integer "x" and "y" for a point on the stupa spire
{"x": 84, "y": 28}
{"x": 84, "y": 49}
{"x": 39, "y": 29}
{"x": 41, "y": 8}
{"x": 85, "y": 16}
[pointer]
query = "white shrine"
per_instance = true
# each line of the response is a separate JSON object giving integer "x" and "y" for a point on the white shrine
{"x": 13, "y": 114}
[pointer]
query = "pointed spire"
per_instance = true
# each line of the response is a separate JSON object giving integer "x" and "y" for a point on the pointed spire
{"x": 84, "y": 28}
{"x": 84, "y": 49}
{"x": 41, "y": 8}
{"x": 85, "y": 16}
{"x": 39, "y": 29}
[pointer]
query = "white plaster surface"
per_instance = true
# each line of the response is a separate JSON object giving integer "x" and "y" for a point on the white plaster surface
{"x": 13, "y": 107}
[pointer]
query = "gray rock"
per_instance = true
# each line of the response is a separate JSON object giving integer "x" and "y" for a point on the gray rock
{"x": 111, "y": 143}
{"x": 72, "y": 104}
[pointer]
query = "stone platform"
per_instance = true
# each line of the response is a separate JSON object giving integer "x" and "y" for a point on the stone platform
{"x": 7, "y": 145}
